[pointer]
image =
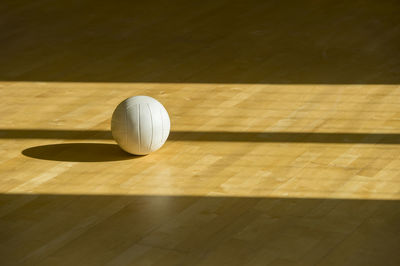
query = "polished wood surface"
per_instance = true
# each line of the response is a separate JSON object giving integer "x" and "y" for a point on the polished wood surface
{"x": 280, "y": 152}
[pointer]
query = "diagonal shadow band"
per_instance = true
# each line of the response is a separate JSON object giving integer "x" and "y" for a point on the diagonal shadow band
{"x": 80, "y": 220}
{"x": 173, "y": 43}
{"x": 55, "y": 134}
{"x": 217, "y": 136}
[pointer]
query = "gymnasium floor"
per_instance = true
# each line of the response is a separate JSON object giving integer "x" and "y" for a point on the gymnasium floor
{"x": 284, "y": 148}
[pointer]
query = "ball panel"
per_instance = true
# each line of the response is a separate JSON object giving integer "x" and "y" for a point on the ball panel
{"x": 132, "y": 133}
{"x": 146, "y": 128}
{"x": 156, "y": 125}
{"x": 166, "y": 124}
{"x": 118, "y": 125}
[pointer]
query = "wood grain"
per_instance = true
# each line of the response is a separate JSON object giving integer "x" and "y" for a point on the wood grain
{"x": 284, "y": 145}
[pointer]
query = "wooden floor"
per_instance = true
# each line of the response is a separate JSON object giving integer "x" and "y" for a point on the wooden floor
{"x": 284, "y": 145}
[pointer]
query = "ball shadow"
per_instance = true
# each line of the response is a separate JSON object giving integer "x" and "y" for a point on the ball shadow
{"x": 79, "y": 152}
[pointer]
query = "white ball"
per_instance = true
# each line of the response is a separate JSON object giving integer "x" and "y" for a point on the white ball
{"x": 140, "y": 125}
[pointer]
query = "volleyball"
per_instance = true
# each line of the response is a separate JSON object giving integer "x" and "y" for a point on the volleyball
{"x": 140, "y": 125}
